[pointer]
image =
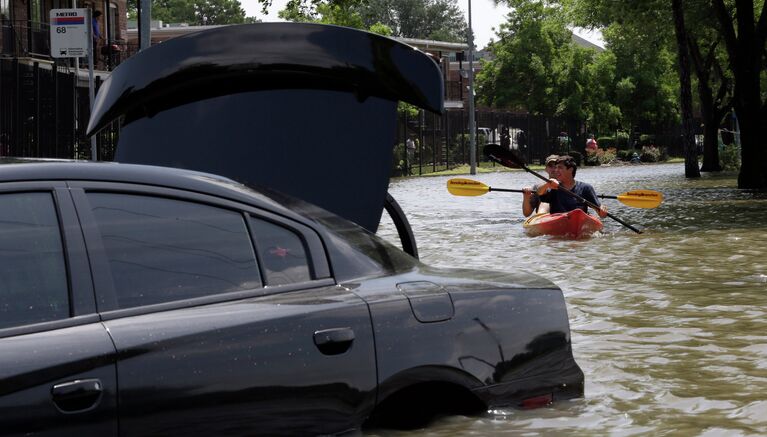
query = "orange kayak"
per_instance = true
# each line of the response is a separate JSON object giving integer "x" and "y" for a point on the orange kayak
{"x": 573, "y": 224}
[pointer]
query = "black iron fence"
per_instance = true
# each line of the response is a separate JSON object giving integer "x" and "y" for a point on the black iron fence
{"x": 44, "y": 109}
{"x": 442, "y": 141}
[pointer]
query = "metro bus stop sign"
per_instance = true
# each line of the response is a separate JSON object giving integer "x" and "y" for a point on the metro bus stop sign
{"x": 70, "y": 30}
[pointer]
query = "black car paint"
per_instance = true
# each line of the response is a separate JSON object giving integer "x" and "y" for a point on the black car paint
{"x": 250, "y": 362}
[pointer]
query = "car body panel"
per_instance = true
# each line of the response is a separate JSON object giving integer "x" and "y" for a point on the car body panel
{"x": 233, "y": 367}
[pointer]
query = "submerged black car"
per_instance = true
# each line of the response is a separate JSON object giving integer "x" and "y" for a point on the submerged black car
{"x": 163, "y": 300}
{"x": 139, "y": 300}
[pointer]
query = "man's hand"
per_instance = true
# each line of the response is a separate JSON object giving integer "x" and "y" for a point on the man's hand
{"x": 602, "y": 211}
{"x": 552, "y": 184}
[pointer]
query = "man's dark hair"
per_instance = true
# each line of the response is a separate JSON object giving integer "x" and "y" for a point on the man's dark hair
{"x": 569, "y": 162}
{"x": 96, "y": 14}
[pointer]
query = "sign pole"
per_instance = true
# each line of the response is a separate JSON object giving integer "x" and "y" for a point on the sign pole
{"x": 72, "y": 37}
{"x": 91, "y": 92}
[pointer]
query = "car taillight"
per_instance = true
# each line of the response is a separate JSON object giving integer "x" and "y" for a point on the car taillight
{"x": 537, "y": 401}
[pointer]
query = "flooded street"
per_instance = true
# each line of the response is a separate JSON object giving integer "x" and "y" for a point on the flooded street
{"x": 669, "y": 327}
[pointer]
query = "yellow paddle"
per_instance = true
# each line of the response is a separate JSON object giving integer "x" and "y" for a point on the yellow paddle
{"x": 634, "y": 198}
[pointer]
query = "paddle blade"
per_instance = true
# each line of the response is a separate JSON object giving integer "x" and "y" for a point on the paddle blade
{"x": 503, "y": 156}
{"x": 641, "y": 198}
{"x": 466, "y": 187}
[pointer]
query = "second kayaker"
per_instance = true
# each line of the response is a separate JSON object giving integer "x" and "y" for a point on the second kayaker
{"x": 531, "y": 202}
{"x": 560, "y": 201}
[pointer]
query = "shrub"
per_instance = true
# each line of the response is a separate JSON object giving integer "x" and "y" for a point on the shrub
{"x": 577, "y": 156}
{"x": 729, "y": 157}
{"x": 646, "y": 140}
{"x": 606, "y": 142}
{"x": 600, "y": 156}
{"x": 650, "y": 154}
{"x": 592, "y": 156}
{"x": 621, "y": 140}
{"x": 608, "y": 155}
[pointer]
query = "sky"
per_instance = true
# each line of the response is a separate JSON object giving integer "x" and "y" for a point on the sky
{"x": 485, "y": 16}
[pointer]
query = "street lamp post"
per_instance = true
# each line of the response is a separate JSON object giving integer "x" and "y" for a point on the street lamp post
{"x": 472, "y": 122}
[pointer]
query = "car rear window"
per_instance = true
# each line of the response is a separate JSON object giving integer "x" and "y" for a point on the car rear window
{"x": 161, "y": 250}
{"x": 33, "y": 278}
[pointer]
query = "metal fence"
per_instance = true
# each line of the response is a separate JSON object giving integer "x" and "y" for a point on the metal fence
{"x": 442, "y": 141}
{"x": 44, "y": 109}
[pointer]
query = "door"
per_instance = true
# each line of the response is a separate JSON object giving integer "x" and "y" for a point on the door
{"x": 224, "y": 319}
{"x": 57, "y": 370}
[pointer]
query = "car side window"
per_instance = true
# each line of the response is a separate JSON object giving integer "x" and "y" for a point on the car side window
{"x": 281, "y": 252}
{"x": 161, "y": 250}
{"x": 33, "y": 276}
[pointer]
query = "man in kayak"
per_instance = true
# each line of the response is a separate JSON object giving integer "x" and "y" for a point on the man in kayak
{"x": 531, "y": 202}
{"x": 560, "y": 201}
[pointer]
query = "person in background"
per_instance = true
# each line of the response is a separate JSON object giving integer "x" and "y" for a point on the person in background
{"x": 558, "y": 200}
{"x": 531, "y": 202}
{"x": 591, "y": 143}
{"x": 97, "y": 37}
{"x": 410, "y": 146}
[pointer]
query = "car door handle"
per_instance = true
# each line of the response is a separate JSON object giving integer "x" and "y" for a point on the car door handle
{"x": 77, "y": 396}
{"x": 334, "y": 341}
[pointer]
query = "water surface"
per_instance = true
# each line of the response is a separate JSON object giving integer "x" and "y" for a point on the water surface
{"x": 668, "y": 326}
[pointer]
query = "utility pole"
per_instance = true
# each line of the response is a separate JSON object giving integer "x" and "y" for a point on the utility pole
{"x": 472, "y": 122}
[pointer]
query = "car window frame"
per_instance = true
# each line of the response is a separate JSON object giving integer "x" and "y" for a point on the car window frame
{"x": 80, "y": 292}
{"x": 101, "y": 271}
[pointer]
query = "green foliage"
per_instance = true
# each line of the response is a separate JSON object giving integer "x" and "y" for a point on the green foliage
{"x": 600, "y": 156}
{"x": 411, "y": 111}
{"x": 646, "y": 140}
{"x": 530, "y": 68}
{"x": 606, "y": 141}
{"x": 440, "y": 20}
{"x": 430, "y": 19}
{"x": 729, "y": 157}
{"x": 650, "y": 154}
{"x": 626, "y": 155}
{"x": 621, "y": 140}
{"x": 195, "y": 12}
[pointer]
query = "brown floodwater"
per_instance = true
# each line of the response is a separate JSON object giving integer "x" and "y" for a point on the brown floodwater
{"x": 669, "y": 326}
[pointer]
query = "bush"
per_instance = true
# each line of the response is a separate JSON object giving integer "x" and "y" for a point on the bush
{"x": 729, "y": 157}
{"x": 606, "y": 142}
{"x": 621, "y": 140}
{"x": 608, "y": 155}
{"x": 577, "y": 156}
{"x": 646, "y": 140}
{"x": 651, "y": 154}
{"x": 592, "y": 156}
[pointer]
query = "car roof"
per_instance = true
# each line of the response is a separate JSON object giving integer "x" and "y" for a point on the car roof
{"x": 29, "y": 169}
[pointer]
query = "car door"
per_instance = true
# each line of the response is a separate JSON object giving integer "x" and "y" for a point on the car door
{"x": 57, "y": 362}
{"x": 225, "y": 317}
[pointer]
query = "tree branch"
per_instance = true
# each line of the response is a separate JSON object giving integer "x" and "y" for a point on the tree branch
{"x": 728, "y": 30}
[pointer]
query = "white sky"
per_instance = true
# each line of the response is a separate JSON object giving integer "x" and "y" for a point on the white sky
{"x": 485, "y": 16}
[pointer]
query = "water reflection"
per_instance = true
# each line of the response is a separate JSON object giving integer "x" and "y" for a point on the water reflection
{"x": 669, "y": 326}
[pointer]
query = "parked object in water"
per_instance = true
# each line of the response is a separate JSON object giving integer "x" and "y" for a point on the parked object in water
{"x": 381, "y": 339}
{"x": 222, "y": 309}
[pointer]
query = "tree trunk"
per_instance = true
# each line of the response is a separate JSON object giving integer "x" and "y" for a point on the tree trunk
{"x": 691, "y": 169}
{"x": 745, "y": 49}
{"x": 711, "y": 145}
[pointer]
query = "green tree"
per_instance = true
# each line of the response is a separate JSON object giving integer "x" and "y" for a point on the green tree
{"x": 440, "y": 20}
{"x": 195, "y": 12}
{"x": 527, "y": 60}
